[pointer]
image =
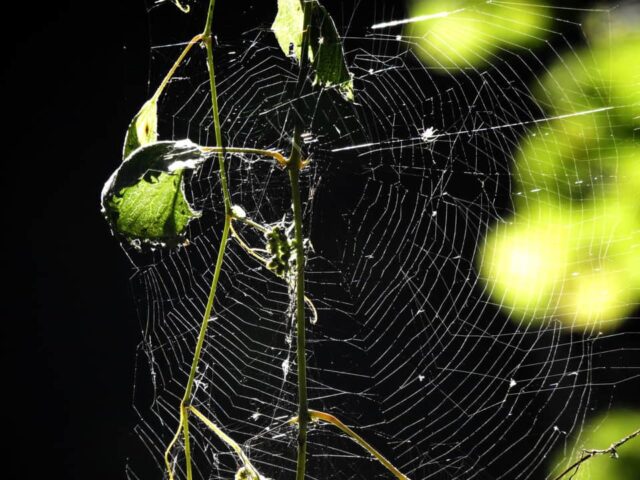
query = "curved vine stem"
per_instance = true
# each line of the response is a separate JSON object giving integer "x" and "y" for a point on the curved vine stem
{"x": 182, "y": 8}
{"x": 246, "y": 463}
{"x": 236, "y": 236}
{"x": 175, "y": 66}
{"x": 317, "y": 416}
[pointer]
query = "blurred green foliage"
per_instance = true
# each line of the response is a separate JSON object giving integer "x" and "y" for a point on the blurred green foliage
{"x": 572, "y": 250}
{"x": 459, "y": 34}
{"x": 604, "y": 75}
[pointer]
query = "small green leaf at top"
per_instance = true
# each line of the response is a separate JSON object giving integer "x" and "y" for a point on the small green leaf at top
{"x": 325, "y": 47}
{"x": 143, "y": 129}
{"x": 328, "y": 55}
{"x": 288, "y": 26}
{"x": 144, "y": 201}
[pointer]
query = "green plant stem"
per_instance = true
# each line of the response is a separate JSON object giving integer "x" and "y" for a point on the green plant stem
{"x": 294, "y": 165}
{"x": 317, "y": 416}
{"x": 303, "y": 404}
{"x": 186, "y": 399}
{"x": 201, "y": 337}
{"x": 216, "y": 113}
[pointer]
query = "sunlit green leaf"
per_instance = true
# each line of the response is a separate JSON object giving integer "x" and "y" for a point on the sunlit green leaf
{"x": 328, "y": 55}
{"x": 325, "y": 47}
{"x": 143, "y": 129}
{"x": 288, "y": 26}
{"x": 144, "y": 200}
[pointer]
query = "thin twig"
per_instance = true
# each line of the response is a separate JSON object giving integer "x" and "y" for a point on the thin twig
{"x": 236, "y": 236}
{"x": 587, "y": 454}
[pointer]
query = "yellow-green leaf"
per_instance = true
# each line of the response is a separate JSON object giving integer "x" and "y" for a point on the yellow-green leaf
{"x": 325, "y": 46}
{"x": 288, "y": 26}
{"x": 143, "y": 129}
{"x": 328, "y": 55}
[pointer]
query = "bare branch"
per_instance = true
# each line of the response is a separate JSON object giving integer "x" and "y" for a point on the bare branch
{"x": 587, "y": 454}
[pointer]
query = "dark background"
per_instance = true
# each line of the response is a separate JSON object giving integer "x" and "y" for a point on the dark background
{"x": 74, "y": 74}
{"x": 69, "y": 87}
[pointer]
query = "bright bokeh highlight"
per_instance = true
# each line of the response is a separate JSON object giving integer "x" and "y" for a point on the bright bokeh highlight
{"x": 525, "y": 264}
{"x": 459, "y": 35}
{"x": 598, "y": 299}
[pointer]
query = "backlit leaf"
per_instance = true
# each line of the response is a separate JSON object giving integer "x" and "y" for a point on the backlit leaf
{"x": 288, "y": 26}
{"x": 144, "y": 200}
{"x": 143, "y": 129}
{"x": 328, "y": 55}
{"x": 325, "y": 47}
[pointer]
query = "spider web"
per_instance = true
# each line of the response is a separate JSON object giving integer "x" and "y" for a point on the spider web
{"x": 411, "y": 347}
